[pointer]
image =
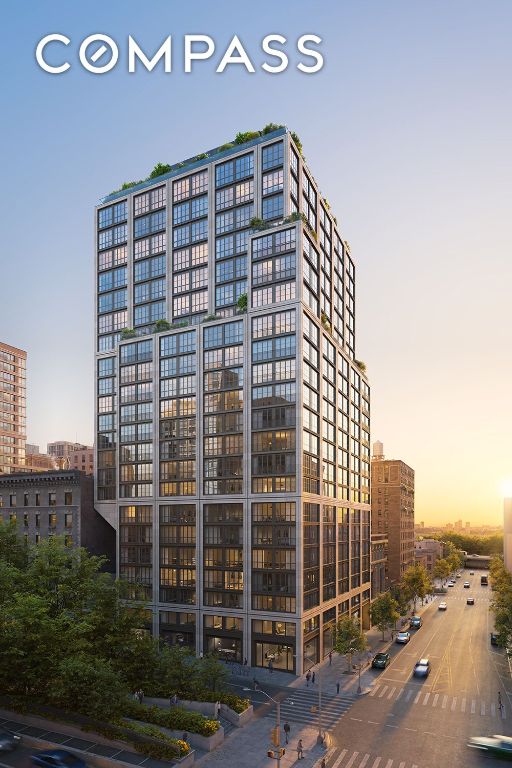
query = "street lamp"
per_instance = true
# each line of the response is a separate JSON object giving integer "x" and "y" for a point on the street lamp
{"x": 278, "y": 721}
{"x": 351, "y": 651}
{"x": 320, "y": 737}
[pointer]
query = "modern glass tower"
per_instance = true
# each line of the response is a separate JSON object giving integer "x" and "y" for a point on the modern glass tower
{"x": 233, "y": 451}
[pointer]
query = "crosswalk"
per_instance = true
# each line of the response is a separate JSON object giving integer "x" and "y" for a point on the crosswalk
{"x": 441, "y": 701}
{"x": 346, "y": 758}
{"x": 301, "y": 706}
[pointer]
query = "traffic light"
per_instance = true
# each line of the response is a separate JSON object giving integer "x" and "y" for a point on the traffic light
{"x": 281, "y": 752}
{"x": 275, "y": 737}
{"x": 270, "y": 753}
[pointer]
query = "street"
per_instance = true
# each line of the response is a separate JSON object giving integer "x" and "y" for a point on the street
{"x": 404, "y": 722}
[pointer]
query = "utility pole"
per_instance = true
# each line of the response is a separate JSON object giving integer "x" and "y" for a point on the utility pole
{"x": 277, "y": 729}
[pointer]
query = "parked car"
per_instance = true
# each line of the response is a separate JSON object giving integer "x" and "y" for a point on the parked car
{"x": 402, "y": 637}
{"x": 381, "y": 660}
{"x": 442, "y": 606}
{"x": 470, "y": 601}
{"x": 422, "y": 668}
{"x": 451, "y": 583}
{"x": 8, "y": 740}
{"x": 498, "y": 746}
{"x": 58, "y": 758}
{"x": 467, "y": 585}
{"x": 415, "y": 622}
{"x": 494, "y": 638}
{"x": 471, "y": 573}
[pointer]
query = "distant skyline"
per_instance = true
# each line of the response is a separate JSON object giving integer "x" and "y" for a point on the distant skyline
{"x": 413, "y": 97}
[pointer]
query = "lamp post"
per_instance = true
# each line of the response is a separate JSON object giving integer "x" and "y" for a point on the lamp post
{"x": 278, "y": 721}
{"x": 351, "y": 651}
{"x": 320, "y": 737}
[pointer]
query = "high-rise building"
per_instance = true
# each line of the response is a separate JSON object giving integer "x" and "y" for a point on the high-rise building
{"x": 61, "y": 449}
{"x": 393, "y": 510}
{"x": 13, "y": 363}
{"x": 232, "y": 448}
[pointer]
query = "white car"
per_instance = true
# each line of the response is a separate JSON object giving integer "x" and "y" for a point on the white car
{"x": 403, "y": 637}
{"x": 467, "y": 585}
{"x": 442, "y": 607}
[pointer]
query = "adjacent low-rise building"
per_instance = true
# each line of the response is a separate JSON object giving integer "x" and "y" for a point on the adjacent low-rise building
{"x": 44, "y": 504}
{"x": 427, "y": 552}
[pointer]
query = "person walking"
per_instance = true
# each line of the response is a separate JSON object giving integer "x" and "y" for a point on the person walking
{"x": 270, "y": 666}
{"x": 500, "y": 703}
{"x": 338, "y": 687}
{"x": 330, "y": 658}
{"x": 313, "y": 677}
{"x": 308, "y": 678}
{"x": 173, "y": 700}
{"x": 140, "y": 695}
{"x": 255, "y": 683}
{"x": 217, "y": 710}
{"x": 286, "y": 729}
{"x": 300, "y": 750}
{"x": 245, "y": 661}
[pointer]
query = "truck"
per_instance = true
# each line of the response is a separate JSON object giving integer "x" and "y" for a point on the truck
{"x": 483, "y": 580}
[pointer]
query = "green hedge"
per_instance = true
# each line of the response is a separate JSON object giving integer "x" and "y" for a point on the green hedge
{"x": 176, "y": 718}
{"x": 231, "y": 700}
{"x": 168, "y": 749}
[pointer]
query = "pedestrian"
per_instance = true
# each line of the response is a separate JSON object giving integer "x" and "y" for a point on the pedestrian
{"x": 286, "y": 729}
{"x": 245, "y": 661}
{"x": 174, "y": 700}
{"x": 313, "y": 677}
{"x": 255, "y": 683}
{"x": 300, "y": 750}
{"x": 140, "y": 695}
{"x": 270, "y": 666}
{"x": 322, "y": 764}
{"x": 217, "y": 710}
{"x": 308, "y": 678}
{"x": 330, "y": 658}
{"x": 338, "y": 687}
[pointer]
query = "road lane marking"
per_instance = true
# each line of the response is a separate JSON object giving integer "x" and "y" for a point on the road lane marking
{"x": 374, "y": 690}
{"x": 429, "y": 733}
{"x": 372, "y": 722}
{"x": 376, "y": 762}
{"x": 482, "y": 708}
{"x": 463, "y": 705}
{"x": 389, "y": 696}
{"x": 434, "y": 703}
{"x": 391, "y": 726}
{"x": 381, "y": 694}
{"x": 454, "y": 704}
{"x": 339, "y": 759}
{"x": 493, "y": 709}
{"x": 473, "y": 707}
{"x": 410, "y": 729}
{"x": 445, "y": 701}
{"x": 399, "y": 693}
{"x": 389, "y": 764}
{"x": 409, "y": 694}
{"x": 352, "y": 760}
{"x": 417, "y": 697}
{"x": 364, "y": 761}
{"x": 402, "y": 764}
{"x": 427, "y": 696}
{"x": 357, "y": 719}
{"x": 503, "y": 712}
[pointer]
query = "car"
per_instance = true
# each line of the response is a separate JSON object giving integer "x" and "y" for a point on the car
{"x": 8, "y": 740}
{"x": 470, "y": 601}
{"x": 451, "y": 583}
{"x": 422, "y": 668}
{"x": 467, "y": 585}
{"x": 381, "y": 660}
{"x": 415, "y": 622}
{"x": 58, "y": 758}
{"x": 471, "y": 573}
{"x": 498, "y": 746}
{"x": 442, "y": 606}
{"x": 402, "y": 637}
{"x": 458, "y": 576}
{"x": 494, "y": 638}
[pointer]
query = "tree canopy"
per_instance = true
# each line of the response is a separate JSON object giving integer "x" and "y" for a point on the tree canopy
{"x": 384, "y": 612}
{"x": 415, "y": 583}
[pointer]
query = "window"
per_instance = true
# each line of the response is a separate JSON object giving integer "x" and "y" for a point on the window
{"x": 52, "y": 499}
{"x": 68, "y": 498}
{"x": 272, "y": 155}
{"x": 12, "y": 500}
{"x": 68, "y": 520}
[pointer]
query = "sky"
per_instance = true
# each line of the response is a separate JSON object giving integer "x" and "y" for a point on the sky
{"x": 408, "y": 131}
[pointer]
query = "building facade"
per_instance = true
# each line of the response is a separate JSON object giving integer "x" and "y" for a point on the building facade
{"x": 428, "y": 551}
{"x": 232, "y": 451}
{"x": 392, "y": 507}
{"x": 56, "y": 503}
{"x": 13, "y": 363}
{"x": 379, "y": 542}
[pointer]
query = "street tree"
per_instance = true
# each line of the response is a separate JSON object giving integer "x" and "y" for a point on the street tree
{"x": 211, "y": 673}
{"x": 415, "y": 583}
{"x": 384, "y": 612}
{"x": 349, "y": 638}
{"x": 442, "y": 569}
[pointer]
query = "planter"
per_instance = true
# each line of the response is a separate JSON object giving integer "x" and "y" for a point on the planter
{"x": 206, "y": 743}
{"x": 209, "y": 709}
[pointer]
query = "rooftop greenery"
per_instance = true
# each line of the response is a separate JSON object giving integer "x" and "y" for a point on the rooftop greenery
{"x": 241, "y": 138}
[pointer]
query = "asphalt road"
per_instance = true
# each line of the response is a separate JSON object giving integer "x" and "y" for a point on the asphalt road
{"x": 426, "y": 723}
